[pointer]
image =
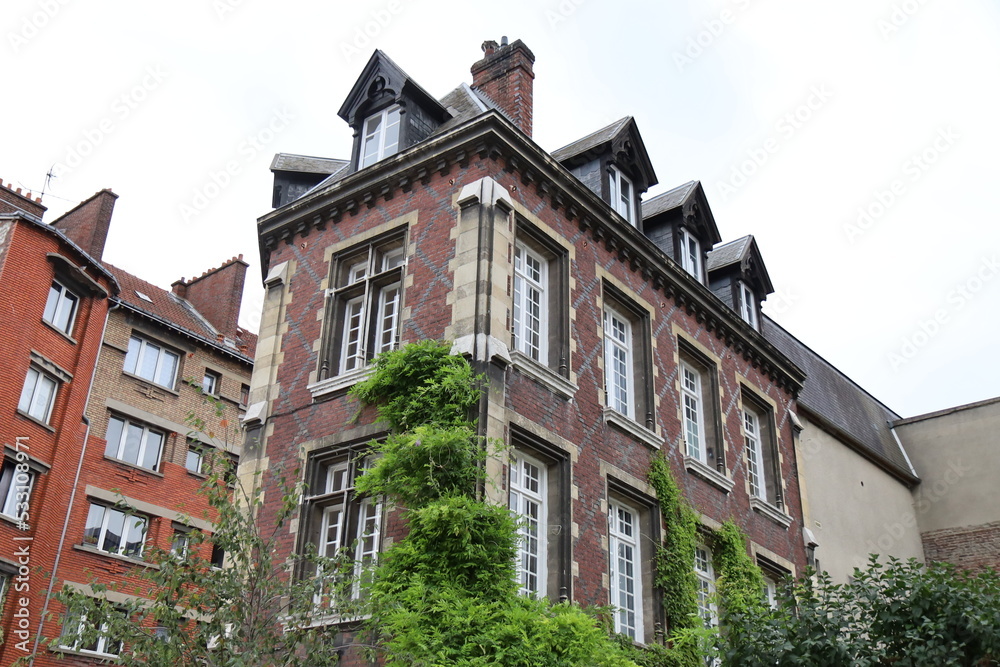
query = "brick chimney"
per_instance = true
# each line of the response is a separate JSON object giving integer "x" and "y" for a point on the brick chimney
{"x": 88, "y": 222}
{"x": 506, "y": 75}
{"x": 12, "y": 201}
{"x": 217, "y": 294}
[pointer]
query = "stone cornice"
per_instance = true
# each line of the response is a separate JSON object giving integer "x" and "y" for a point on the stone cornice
{"x": 490, "y": 136}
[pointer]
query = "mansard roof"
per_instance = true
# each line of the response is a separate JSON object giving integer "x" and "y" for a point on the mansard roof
{"x": 621, "y": 140}
{"x": 745, "y": 255}
{"x": 690, "y": 202}
{"x": 382, "y": 80}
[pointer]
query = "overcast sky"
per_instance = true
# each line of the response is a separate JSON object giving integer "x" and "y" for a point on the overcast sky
{"x": 858, "y": 140}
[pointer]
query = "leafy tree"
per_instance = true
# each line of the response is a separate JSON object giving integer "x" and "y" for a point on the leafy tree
{"x": 445, "y": 594}
{"x": 896, "y": 613}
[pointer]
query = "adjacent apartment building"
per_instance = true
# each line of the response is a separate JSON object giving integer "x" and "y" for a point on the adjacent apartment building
{"x": 102, "y": 460}
{"x": 608, "y": 335}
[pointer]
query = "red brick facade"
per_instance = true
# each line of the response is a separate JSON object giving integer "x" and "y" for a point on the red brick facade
{"x": 67, "y": 452}
{"x": 459, "y": 252}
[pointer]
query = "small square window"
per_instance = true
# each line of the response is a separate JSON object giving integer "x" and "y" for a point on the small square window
{"x": 60, "y": 308}
{"x": 211, "y": 383}
{"x": 38, "y": 395}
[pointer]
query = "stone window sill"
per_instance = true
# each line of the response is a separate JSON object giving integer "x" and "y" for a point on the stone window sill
{"x": 338, "y": 384}
{"x": 633, "y": 428}
{"x": 125, "y": 559}
{"x": 770, "y": 511}
{"x": 544, "y": 375}
{"x": 713, "y": 477}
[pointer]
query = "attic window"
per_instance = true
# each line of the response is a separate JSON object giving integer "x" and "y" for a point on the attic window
{"x": 143, "y": 296}
{"x": 622, "y": 197}
{"x": 691, "y": 254}
{"x": 748, "y": 304}
{"x": 381, "y": 136}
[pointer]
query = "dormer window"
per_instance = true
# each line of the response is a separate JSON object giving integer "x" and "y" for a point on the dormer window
{"x": 748, "y": 304}
{"x": 381, "y": 136}
{"x": 622, "y": 197}
{"x": 691, "y": 254}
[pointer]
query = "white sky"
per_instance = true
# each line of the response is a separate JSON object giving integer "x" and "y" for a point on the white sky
{"x": 161, "y": 95}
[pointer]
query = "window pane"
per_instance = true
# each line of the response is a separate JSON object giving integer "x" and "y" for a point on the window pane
{"x": 95, "y": 519}
{"x": 67, "y": 311}
{"x": 52, "y": 303}
{"x": 168, "y": 368}
{"x": 132, "y": 356}
{"x": 113, "y": 532}
{"x": 388, "y": 318}
{"x": 151, "y": 456}
{"x": 194, "y": 459}
{"x": 114, "y": 437}
{"x": 24, "y": 404}
{"x": 353, "y": 356}
{"x": 135, "y": 528}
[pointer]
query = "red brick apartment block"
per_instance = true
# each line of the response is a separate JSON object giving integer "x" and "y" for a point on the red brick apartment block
{"x": 609, "y": 328}
{"x": 103, "y": 370}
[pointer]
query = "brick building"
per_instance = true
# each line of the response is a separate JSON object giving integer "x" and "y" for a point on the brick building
{"x": 115, "y": 366}
{"x": 608, "y": 334}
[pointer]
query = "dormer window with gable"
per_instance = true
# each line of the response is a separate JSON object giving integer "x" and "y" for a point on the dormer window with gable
{"x": 737, "y": 275}
{"x": 622, "y": 194}
{"x": 613, "y": 164}
{"x": 381, "y": 136}
{"x": 389, "y": 112}
{"x": 691, "y": 254}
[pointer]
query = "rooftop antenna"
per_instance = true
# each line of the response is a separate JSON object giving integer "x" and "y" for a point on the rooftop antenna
{"x": 48, "y": 178}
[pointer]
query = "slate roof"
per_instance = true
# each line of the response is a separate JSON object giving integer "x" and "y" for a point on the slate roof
{"x": 592, "y": 140}
{"x": 668, "y": 200}
{"x": 464, "y": 104}
{"x": 728, "y": 253}
{"x": 177, "y": 313}
{"x": 306, "y": 164}
{"x": 842, "y": 405}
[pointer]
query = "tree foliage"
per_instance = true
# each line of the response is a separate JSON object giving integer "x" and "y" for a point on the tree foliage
{"x": 445, "y": 594}
{"x": 895, "y": 613}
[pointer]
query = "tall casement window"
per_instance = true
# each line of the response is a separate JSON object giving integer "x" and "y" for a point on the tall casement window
{"x": 528, "y": 502}
{"x": 626, "y": 569}
{"x": 133, "y": 443}
{"x": 697, "y": 383}
{"x": 539, "y": 316}
{"x": 705, "y": 573}
{"x": 690, "y": 254}
{"x": 363, "y": 305}
{"x": 38, "y": 395}
{"x": 151, "y": 361}
{"x": 760, "y": 451}
{"x": 619, "y": 368}
{"x": 747, "y": 303}
{"x": 343, "y": 526}
{"x": 381, "y": 136}
{"x": 622, "y": 194}
{"x": 531, "y": 303}
{"x": 60, "y": 308}
{"x": 114, "y": 531}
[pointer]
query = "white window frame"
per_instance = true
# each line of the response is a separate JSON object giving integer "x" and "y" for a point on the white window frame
{"x": 619, "y": 368}
{"x": 384, "y": 120}
{"x": 59, "y": 301}
{"x": 625, "y": 560}
{"x": 622, "y": 194}
{"x": 748, "y": 304}
{"x": 117, "y": 450}
{"x": 16, "y": 482}
{"x": 34, "y": 401}
{"x": 211, "y": 382}
{"x": 531, "y": 307}
{"x": 338, "y": 505}
{"x": 770, "y": 592}
{"x": 199, "y": 452}
{"x": 756, "y": 473}
{"x": 704, "y": 570}
{"x": 693, "y": 411}
{"x": 108, "y": 512}
{"x": 139, "y": 348}
{"x": 528, "y": 502}
{"x": 103, "y": 643}
{"x": 369, "y": 318}
{"x": 691, "y": 259}
{"x": 180, "y": 544}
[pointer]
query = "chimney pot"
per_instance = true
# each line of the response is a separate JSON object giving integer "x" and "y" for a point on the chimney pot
{"x": 503, "y": 41}
{"x": 489, "y": 46}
